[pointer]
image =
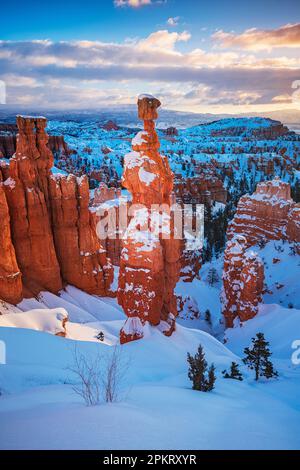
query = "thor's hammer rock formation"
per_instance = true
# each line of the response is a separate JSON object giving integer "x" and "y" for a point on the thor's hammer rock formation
{"x": 149, "y": 266}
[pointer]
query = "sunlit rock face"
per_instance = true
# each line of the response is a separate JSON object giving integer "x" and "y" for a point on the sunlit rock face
{"x": 243, "y": 281}
{"x": 82, "y": 259}
{"x": 8, "y": 138}
{"x": 10, "y": 275}
{"x": 52, "y": 233}
{"x": 149, "y": 265}
{"x": 28, "y": 200}
{"x": 268, "y": 214}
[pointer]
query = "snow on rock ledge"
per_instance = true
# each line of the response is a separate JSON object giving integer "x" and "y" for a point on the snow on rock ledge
{"x": 268, "y": 214}
{"x": 51, "y": 321}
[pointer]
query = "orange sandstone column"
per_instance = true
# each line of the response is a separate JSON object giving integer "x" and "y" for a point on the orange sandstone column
{"x": 149, "y": 265}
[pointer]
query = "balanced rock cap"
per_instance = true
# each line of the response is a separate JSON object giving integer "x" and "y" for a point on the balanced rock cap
{"x": 147, "y": 107}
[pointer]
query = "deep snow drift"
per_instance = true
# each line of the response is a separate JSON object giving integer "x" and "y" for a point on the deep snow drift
{"x": 40, "y": 410}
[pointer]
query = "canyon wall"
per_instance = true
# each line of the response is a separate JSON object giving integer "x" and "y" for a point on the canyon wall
{"x": 49, "y": 229}
{"x": 200, "y": 190}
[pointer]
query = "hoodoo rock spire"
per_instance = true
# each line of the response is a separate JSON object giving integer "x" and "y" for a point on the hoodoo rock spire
{"x": 49, "y": 237}
{"x": 149, "y": 266}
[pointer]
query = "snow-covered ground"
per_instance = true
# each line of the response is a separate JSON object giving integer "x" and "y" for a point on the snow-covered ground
{"x": 157, "y": 408}
{"x": 193, "y": 146}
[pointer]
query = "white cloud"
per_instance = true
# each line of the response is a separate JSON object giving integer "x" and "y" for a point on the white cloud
{"x": 132, "y": 3}
{"x": 70, "y": 73}
{"x": 173, "y": 20}
{"x": 260, "y": 39}
{"x": 163, "y": 40}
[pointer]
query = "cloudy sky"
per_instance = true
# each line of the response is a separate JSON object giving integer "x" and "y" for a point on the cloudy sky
{"x": 203, "y": 56}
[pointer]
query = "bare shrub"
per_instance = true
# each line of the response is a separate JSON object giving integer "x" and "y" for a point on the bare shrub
{"x": 88, "y": 372}
{"x": 113, "y": 373}
{"x": 99, "y": 377}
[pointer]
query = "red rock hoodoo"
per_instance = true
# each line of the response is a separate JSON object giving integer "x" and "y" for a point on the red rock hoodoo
{"x": 243, "y": 280}
{"x": 82, "y": 259}
{"x": 8, "y": 138}
{"x": 10, "y": 275}
{"x": 149, "y": 265}
{"x": 27, "y": 195}
{"x": 51, "y": 228}
{"x": 268, "y": 214}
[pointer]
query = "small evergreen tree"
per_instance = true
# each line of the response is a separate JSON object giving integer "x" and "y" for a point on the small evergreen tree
{"x": 257, "y": 358}
{"x": 212, "y": 277}
{"x": 211, "y": 379}
{"x": 208, "y": 317}
{"x": 234, "y": 372}
{"x": 202, "y": 379}
{"x": 100, "y": 336}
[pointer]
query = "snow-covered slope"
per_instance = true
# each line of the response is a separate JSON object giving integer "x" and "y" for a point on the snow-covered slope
{"x": 38, "y": 408}
{"x": 46, "y": 320}
{"x": 281, "y": 327}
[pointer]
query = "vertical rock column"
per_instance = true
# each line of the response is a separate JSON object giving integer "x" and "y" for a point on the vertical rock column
{"x": 10, "y": 275}
{"x": 82, "y": 259}
{"x": 52, "y": 230}
{"x": 243, "y": 279}
{"x": 149, "y": 265}
{"x": 27, "y": 196}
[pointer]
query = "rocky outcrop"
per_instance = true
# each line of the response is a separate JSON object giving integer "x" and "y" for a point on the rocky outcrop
{"x": 7, "y": 145}
{"x": 171, "y": 132}
{"x": 149, "y": 266}
{"x": 103, "y": 193}
{"x": 269, "y": 214}
{"x": 243, "y": 280}
{"x": 106, "y": 205}
{"x": 190, "y": 265}
{"x": 199, "y": 190}
{"x": 62, "y": 317}
{"x": 293, "y": 226}
{"x": 52, "y": 230}
{"x": 256, "y": 128}
{"x": 82, "y": 259}
{"x": 110, "y": 126}
{"x": 27, "y": 194}
{"x": 10, "y": 275}
{"x": 58, "y": 146}
{"x": 8, "y": 134}
{"x": 8, "y": 140}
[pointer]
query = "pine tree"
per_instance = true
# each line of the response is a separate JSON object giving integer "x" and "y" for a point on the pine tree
{"x": 197, "y": 369}
{"x": 210, "y": 385}
{"x": 257, "y": 358}
{"x": 202, "y": 379}
{"x": 212, "y": 277}
{"x": 234, "y": 372}
{"x": 269, "y": 372}
{"x": 208, "y": 316}
{"x": 100, "y": 336}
